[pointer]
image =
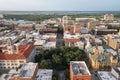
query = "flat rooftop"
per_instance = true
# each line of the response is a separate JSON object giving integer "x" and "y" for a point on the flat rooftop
{"x": 49, "y": 44}
{"x": 117, "y": 70}
{"x": 5, "y": 76}
{"x": 27, "y": 70}
{"x": 39, "y": 42}
{"x": 44, "y": 74}
{"x": 79, "y": 68}
{"x": 104, "y": 75}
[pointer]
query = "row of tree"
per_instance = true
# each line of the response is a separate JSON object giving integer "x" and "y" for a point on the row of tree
{"x": 59, "y": 59}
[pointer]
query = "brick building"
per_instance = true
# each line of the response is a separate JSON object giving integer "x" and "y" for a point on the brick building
{"x": 79, "y": 71}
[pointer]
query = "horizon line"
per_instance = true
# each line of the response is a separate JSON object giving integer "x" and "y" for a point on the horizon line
{"x": 65, "y": 10}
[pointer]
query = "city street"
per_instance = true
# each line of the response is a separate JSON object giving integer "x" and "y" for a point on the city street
{"x": 60, "y": 40}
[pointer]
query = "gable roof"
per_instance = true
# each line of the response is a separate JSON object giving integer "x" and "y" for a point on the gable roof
{"x": 24, "y": 53}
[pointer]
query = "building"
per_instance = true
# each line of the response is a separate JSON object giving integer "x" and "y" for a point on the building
{"x": 108, "y": 17}
{"x": 100, "y": 59}
{"x": 114, "y": 43}
{"x": 28, "y": 71}
{"x": 105, "y": 75}
{"x": 71, "y": 40}
{"x": 79, "y": 71}
{"x": 13, "y": 56}
{"x": 65, "y": 20}
{"x": 116, "y": 72}
{"x": 1, "y": 16}
{"x": 93, "y": 24}
{"x": 25, "y": 27}
{"x": 103, "y": 31}
{"x": 44, "y": 74}
{"x": 47, "y": 41}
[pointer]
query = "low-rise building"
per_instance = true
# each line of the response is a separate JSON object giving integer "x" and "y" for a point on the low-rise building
{"x": 13, "y": 56}
{"x": 28, "y": 71}
{"x": 105, "y": 75}
{"x": 114, "y": 43}
{"x": 44, "y": 74}
{"x": 100, "y": 59}
{"x": 79, "y": 71}
{"x": 116, "y": 72}
{"x": 109, "y": 17}
{"x": 1, "y": 16}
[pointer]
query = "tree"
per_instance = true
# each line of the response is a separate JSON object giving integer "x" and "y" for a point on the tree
{"x": 38, "y": 58}
{"x": 56, "y": 59}
{"x": 59, "y": 59}
{"x": 47, "y": 64}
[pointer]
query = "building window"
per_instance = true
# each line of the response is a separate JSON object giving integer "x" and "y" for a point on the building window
{"x": 21, "y": 61}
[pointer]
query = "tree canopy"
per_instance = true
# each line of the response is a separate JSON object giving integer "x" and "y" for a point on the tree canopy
{"x": 59, "y": 59}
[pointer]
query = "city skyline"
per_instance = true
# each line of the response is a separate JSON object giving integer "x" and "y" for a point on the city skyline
{"x": 59, "y": 5}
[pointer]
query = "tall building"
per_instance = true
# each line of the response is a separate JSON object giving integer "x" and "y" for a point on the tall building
{"x": 65, "y": 20}
{"x": 109, "y": 17}
{"x": 13, "y": 56}
{"x": 79, "y": 71}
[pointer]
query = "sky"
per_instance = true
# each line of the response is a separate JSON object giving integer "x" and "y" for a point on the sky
{"x": 60, "y": 5}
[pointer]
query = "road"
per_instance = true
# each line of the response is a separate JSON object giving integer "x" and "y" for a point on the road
{"x": 60, "y": 40}
{"x": 61, "y": 75}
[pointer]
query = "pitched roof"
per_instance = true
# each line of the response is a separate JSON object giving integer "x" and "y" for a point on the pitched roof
{"x": 24, "y": 53}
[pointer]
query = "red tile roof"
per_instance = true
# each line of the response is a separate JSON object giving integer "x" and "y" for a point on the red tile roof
{"x": 72, "y": 40}
{"x": 24, "y": 53}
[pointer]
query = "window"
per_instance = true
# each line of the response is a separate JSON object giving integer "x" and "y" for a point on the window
{"x": 21, "y": 61}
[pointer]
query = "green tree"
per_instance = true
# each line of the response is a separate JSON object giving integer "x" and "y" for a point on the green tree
{"x": 47, "y": 64}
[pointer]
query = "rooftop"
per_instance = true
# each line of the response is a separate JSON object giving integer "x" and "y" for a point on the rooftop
{"x": 39, "y": 42}
{"x": 27, "y": 70}
{"x": 117, "y": 70}
{"x": 104, "y": 75}
{"x": 79, "y": 68}
{"x": 44, "y": 74}
{"x": 24, "y": 52}
{"x": 50, "y": 44}
{"x": 5, "y": 76}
